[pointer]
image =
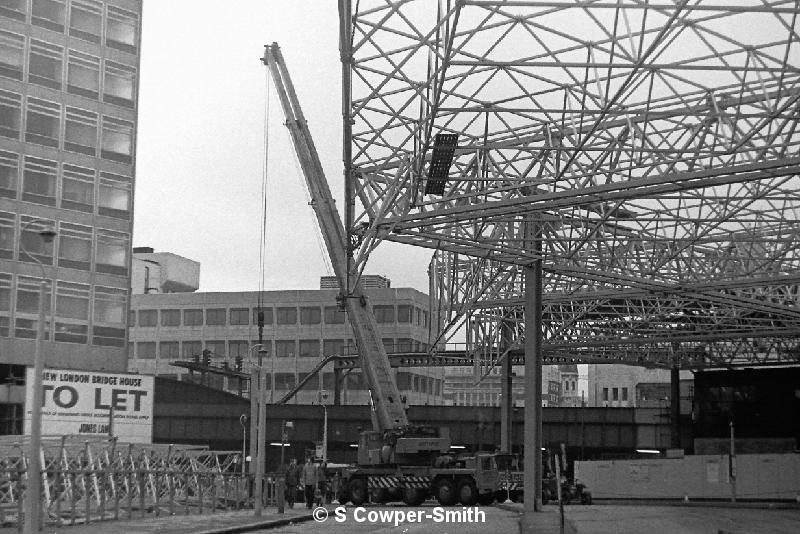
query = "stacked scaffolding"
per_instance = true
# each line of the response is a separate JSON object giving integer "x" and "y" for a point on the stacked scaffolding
{"x": 101, "y": 479}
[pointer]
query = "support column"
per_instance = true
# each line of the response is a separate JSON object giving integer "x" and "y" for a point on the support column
{"x": 506, "y": 399}
{"x": 533, "y": 370}
{"x": 675, "y": 404}
{"x": 254, "y": 389}
{"x": 337, "y": 386}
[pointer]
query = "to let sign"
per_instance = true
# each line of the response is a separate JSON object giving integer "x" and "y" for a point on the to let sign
{"x": 82, "y": 403}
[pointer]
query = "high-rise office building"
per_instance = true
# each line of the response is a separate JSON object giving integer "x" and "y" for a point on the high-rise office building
{"x": 69, "y": 73}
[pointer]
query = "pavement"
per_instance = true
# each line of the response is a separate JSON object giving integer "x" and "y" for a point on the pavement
{"x": 208, "y": 523}
{"x": 695, "y": 518}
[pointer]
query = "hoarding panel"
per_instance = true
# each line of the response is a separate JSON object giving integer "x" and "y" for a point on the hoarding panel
{"x": 80, "y": 403}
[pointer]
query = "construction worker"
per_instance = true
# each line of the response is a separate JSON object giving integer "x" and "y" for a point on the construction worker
{"x": 309, "y": 481}
{"x": 292, "y": 482}
{"x": 322, "y": 482}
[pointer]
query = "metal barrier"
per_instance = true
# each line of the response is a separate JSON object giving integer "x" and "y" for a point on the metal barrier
{"x": 83, "y": 482}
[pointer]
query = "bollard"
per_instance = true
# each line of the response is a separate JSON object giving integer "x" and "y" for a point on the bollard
{"x": 279, "y": 497}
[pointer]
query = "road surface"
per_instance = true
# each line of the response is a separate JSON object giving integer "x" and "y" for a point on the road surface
{"x": 426, "y": 519}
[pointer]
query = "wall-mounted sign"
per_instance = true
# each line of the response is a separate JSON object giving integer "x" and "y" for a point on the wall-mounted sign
{"x": 93, "y": 404}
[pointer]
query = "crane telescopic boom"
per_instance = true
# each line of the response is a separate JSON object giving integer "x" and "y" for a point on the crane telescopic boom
{"x": 388, "y": 407}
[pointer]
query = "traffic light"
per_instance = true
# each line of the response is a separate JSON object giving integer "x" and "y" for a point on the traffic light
{"x": 206, "y": 357}
{"x": 239, "y": 363}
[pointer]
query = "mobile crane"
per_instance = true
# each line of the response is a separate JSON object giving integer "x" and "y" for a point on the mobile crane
{"x": 395, "y": 459}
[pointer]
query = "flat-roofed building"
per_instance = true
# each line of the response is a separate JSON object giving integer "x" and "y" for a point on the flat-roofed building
{"x": 69, "y": 72}
{"x": 300, "y": 328}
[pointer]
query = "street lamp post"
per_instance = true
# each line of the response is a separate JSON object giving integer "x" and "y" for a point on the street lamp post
{"x": 243, "y": 422}
{"x": 261, "y": 400}
{"x": 285, "y": 426}
{"x": 33, "y": 506}
{"x": 323, "y": 398}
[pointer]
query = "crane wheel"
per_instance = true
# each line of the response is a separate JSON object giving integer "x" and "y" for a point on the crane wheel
{"x": 446, "y": 492}
{"x": 379, "y": 495}
{"x": 486, "y": 499}
{"x": 467, "y": 492}
{"x": 358, "y": 491}
{"x": 413, "y": 496}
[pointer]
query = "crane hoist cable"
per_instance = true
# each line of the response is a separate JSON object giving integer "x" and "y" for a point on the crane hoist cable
{"x": 312, "y": 217}
{"x": 262, "y": 245}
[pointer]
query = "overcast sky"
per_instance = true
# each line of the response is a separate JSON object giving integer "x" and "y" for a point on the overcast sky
{"x": 200, "y": 157}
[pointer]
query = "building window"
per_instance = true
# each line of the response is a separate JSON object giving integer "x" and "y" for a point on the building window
{"x": 215, "y": 316}
{"x": 121, "y": 27}
{"x": 328, "y": 381}
{"x": 388, "y": 344}
{"x": 146, "y": 350}
{"x": 286, "y": 315}
{"x": 190, "y": 349}
{"x": 605, "y": 394}
{"x": 117, "y": 142}
{"x": 417, "y": 316}
{"x": 112, "y": 252}
{"x": 284, "y": 381}
{"x": 404, "y": 314}
{"x": 404, "y": 345}
{"x": 403, "y": 380}
{"x": 169, "y": 350}
{"x": 72, "y": 312}
{"x": 10, "y": 113}
{"x": 28, "y": 307}
{"x": 384, "y": 314}
{"x": 309, "y": 315}
{"x": 83, "y": 74}
{"x": 267, "y": 315}
{"x": 615, "y": 394}
{"x": 119, "y": 82}
{"x": 49, "y": 14}
{"x": 309, "y": 348}
{"x": 331, "y": 347}
{"x": 12, "y": 52}
{"x": 8, "y": 223}
{"x": 311, "y": 385}
{"x": 9, "y": 171}
{"x": 217, "y": 348}
{"x": 14, "y": 9}
{"x": 240, "y": 316}
{"x": 285, "y": 348}
{"x": 31, "y": 244}
{"x": 624, "y": 394}
{"x": 148, "y": 317}
{"x": 238, "y": 348}
{"x": 109, "y": 307}
{"x": 75, "y": 246}
{"x": 45, "y": 64}
{"x": 5, "y": 304}
{"x": 333, "y": 315}
{"x": 80, "y": 131}
{"x": 77, "y": 188}
{"x": 43, "y": 122}
{"x": 39, "y": 181}
{"x": 115, "y": 196}
{"x": 86, "y": 20}
{"x": 170, "y": 317}
{"x": 193, "y": 317}
{"x": 356, "y": 381}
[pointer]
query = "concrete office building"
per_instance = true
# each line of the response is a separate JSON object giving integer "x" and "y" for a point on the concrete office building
{"x": 465, "y": 386}
{"x": 69, "y": 74}
{"x": 301, "y": 327}
{"x": 626, "y": 386}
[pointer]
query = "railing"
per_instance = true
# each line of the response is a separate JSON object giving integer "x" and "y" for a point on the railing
{"x": 98, "y": 484}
